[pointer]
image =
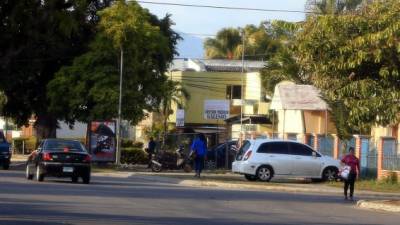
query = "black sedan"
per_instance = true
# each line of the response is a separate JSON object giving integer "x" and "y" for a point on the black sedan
{"x": 59, "y": 158}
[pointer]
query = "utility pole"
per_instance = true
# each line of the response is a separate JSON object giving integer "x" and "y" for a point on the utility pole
{"x": 118, "y": 153}
{"x": 241, "y": 89}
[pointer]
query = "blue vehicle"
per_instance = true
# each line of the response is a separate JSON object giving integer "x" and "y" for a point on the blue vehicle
{"x": 5, "y": 152}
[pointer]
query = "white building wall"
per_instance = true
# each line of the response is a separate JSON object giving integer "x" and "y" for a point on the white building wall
{"x": 290, "y": 121}
{"x": 78, "y": 131}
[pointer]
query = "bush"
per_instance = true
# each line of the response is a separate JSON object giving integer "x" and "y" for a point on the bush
{"x": 30, "y": 143}
{"x": 126, "y": 143}
{"x": 133, "y": 156}
{"x": 138, "y": 144}
{"x": 391, "y": 178}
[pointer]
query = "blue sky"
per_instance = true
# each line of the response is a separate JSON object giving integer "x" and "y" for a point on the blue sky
{"x": 209, "y": 21}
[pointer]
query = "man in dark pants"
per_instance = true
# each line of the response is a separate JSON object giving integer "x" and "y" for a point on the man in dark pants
{"x": 352, "y": 161}
{"x": 151, "y": 150}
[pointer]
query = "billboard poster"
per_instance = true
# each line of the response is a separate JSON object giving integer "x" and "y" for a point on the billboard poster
{"x": 216, "y": 109}
{"x": 180, "y": 118}
{"x": 102, "y": 141}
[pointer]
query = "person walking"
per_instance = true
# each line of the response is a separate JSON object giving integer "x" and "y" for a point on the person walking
{"x": 199, "y": 149}
{"x": 151, "y": 149}
{"x": 352, "y": 161}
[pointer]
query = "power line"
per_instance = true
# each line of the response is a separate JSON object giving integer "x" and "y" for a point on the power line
{"x": 225, "y": 7}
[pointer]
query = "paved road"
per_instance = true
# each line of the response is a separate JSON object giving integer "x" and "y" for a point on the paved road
{"x": 133, "y": 200}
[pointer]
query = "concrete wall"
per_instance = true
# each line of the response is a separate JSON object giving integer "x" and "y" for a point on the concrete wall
{"x": 290, "y": 121}
{"x": 316, "y": 124}
{"x": 78, "y": 131}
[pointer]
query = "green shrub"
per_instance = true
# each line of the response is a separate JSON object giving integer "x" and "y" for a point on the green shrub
{"x": 133, "y": 156}
{"x": 126, "y": 143}
{"x": 138, "y": 144}
{"x": 29, "y": 144}
{"x": 391, "y": 178}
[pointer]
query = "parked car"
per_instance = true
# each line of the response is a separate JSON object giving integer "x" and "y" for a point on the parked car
{"x": 5, "y": 152}
{"x": 59, "y": 158}
{"x": 216, "y": 154}
{"x": 263, "y": 159}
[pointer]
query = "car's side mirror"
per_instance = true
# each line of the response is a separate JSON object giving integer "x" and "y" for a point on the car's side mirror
{"x": 314, "y": 154}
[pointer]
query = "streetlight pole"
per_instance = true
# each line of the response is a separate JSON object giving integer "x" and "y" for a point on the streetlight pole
{"x": 118, "y": 153}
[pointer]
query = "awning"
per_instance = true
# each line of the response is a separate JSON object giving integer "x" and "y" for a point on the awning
{"x": 249, "y": 119}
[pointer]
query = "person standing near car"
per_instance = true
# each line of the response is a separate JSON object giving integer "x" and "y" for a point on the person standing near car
{"x": 352, "y": 161}
{"x": 199, "y": 149}
{"x": 151, "y": 148}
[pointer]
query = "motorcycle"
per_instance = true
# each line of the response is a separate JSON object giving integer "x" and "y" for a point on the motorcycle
{"x": 168, "y": 160}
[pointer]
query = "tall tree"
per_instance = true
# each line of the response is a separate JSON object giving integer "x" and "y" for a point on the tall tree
{"x": 332, "y": 7}
{"x": 282, "y": 65}
{"x": 355, "y": 60}
{"x": 89, "y": 88}
{"x": 36, "y": 39}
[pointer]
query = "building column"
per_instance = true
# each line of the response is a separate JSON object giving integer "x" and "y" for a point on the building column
{"x": 379, "y": 164}
{"x": 336, "y": 147}
{"x": 316, "y": 141}
{"x": 357, "y": 146}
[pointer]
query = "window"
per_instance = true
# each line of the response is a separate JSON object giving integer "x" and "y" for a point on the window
{"x": 233, "y": 92}
{"x": 60, "y": 145}
{"x": 246, "y": 145}
{"x": 274, "y": 148}
{"x": 2, "y": 138}
{"x": 299, "y": 149}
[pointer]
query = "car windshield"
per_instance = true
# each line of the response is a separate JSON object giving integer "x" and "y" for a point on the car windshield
{"x": 246, "y": 145}
{"x": 62, "y": 145}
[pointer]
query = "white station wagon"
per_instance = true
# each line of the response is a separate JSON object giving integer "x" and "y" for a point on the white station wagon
{"x": 263, "y": 159}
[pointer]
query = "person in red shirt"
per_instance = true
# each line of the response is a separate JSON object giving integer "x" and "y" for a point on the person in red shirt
{"x": 352, "y": 161}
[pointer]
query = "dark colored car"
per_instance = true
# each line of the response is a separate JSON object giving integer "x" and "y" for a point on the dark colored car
{"x": 5, "y": 153}
{"x": 59, "y": 158}
{"x": 216, "y": 154}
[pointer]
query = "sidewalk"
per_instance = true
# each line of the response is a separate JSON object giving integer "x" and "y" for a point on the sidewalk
{"x": 18, "y": 158}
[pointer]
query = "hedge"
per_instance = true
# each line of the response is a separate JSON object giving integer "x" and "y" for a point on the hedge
{"x": 133, "y": 156}
{"x": 126, "y": 143}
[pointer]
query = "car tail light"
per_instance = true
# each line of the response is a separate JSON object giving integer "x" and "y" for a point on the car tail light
{"x": 47, "y": 157}
{"x": 87, "y": 158}
{"x": 247, "y": 156}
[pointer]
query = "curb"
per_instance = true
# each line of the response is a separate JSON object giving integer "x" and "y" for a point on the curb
{"x": 383, "y": 205}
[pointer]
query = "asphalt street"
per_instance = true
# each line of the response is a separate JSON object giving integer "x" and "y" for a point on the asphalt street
{"x": 133, "y": 200}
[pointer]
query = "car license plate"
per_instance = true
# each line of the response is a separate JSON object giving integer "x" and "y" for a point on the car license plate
{"x": 68, "y": 169}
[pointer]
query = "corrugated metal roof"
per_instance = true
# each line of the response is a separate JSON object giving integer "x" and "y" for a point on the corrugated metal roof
{"x": 297, "y": 97}
{"x": 216, "y": 65}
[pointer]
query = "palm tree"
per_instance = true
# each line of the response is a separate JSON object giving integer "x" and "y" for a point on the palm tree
{"x": 174, "y": 93}
{"x": 224, "y": 44}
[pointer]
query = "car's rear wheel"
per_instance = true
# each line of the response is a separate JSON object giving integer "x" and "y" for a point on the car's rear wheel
{"x": 250, "y": 177}
{"x": 86, "y": 178}
{"x": 28, "y": 173}
{"x": 39, "y": 175}
{"x": 74, "y": 179}
{"x": 264, "y": 173}
{"x": 330, "y": 174}
{"x": 6, "y": 165}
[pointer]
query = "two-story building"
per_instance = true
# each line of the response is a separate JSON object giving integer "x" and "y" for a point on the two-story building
{"x": 221, "y": 80}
